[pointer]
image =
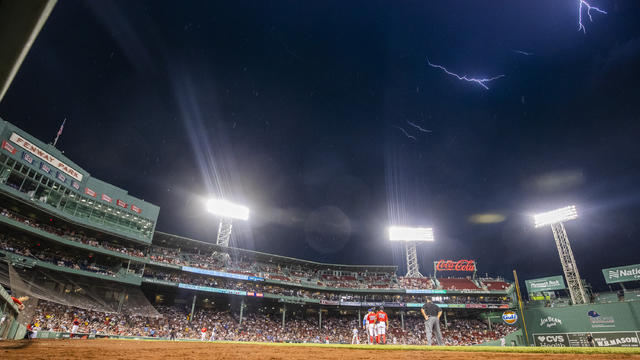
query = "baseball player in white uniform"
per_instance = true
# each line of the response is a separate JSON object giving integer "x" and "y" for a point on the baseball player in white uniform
{"x": 355, "y": 339}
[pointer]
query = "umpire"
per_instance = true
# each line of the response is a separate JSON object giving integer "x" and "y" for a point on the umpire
{"x": 431, "y": 313}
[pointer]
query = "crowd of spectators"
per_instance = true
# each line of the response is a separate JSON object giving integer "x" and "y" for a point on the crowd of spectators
{"x": 294, "y": 274}
{"x": 457, "y": 331}
{"x": 73, "y": 235}
{"x": 261, "y": 287}
{"x": 166, "y": 255}
{"x": 175, "y": 323}
{"x": 51, "y": 255}
{"x": 298, "y": 275}
{"x": 61, "y": 258}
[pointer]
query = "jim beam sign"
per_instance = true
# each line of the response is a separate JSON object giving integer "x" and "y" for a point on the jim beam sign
{"x": 27, "y": 145}
{"x": 621, "y": 274}
{"x": 545, "y": 284}
{"x": 550, "y": 322}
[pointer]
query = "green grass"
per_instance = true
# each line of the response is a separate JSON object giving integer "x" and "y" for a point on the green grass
{"x": 522, "y": 349}
{"x": 506, "y": 349}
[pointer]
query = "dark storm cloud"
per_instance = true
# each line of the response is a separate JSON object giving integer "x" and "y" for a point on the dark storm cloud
{"x": 623, "y": 54}
{"x": 554, "y": 181}
{"x": 133, "y": 41}
{"x": 327, "y": 229}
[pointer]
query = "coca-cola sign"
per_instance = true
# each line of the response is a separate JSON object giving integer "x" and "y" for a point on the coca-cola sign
{"x": 460, "y": 265}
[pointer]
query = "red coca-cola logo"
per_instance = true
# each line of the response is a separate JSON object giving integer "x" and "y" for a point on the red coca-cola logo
{"x": 460, "y": 265}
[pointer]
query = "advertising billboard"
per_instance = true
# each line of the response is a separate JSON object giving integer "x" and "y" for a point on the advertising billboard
{"x": 599, "y": 339}
{"x": 545, "y": 284}
{"x": 621, "y": 274}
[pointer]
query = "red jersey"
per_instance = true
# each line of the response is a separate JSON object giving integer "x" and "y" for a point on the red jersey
{"x": 382, "y": 316}
{"x": 16, "y": 300}
{"x": 371, "y": 318}
{"x": 204, "y": 329}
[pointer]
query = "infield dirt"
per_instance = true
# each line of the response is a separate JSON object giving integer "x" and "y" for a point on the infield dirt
{"x": 131, "y": 349}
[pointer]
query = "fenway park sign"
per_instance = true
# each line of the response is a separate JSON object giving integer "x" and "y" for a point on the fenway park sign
{"x": 27, "y": 145}
{"x": 451, "y": 265}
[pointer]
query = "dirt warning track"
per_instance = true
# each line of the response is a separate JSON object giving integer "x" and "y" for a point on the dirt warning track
{"x": 132, "y": 349}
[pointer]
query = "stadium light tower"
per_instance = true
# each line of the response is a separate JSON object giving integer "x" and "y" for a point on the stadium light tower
{"x": 227, "y": 212}
{"x": 411, "y": 236}
{"x": 556, "y": 218}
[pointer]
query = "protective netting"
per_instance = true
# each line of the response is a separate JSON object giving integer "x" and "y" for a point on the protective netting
{"x": 19, "y": 290}
{"x": 137, "y": 304}
{"x": 72, "y": 290}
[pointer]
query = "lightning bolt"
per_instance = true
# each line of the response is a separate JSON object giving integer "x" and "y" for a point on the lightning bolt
{"x": 418, "y": 127}
{"x": 589, "y": 8}
{"x": 404, "y": 132}
{"x": 480, "y": 82}
{"x": 522, "y": 52}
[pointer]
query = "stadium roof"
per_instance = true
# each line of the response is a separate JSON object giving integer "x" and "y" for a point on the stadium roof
{"x": 164, "y": 239}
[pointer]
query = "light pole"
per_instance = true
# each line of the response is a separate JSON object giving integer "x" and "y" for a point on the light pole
{"x": 227, "y": 212}
{"x": 555, "y": 219}
{"x": 411, "y": 236}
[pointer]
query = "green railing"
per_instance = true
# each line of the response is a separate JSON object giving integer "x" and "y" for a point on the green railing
{"x": 31, "y": 262}
{"x": 119, "y": 231}
{"x": 59, "y": 239}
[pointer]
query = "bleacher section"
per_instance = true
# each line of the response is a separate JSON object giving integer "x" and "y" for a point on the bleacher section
{"x": 414, "y": 283}
{"x": 496, "y": 285}
{"x": 457, "y": 284}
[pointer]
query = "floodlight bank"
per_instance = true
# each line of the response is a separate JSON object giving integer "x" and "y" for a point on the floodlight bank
{"x": 227, "y": 209}
{"x": 397, "y": 233}
{"x": 556, "y": 216}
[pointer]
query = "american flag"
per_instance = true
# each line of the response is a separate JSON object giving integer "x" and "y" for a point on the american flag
{"x": 61, "y": 127}
{"x": 59, "y": 132}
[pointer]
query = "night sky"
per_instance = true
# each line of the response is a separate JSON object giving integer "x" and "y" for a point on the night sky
{"x": 299, "y": 110}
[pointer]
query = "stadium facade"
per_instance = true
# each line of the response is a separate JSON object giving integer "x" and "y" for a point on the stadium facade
{"x": 69, "y": 238}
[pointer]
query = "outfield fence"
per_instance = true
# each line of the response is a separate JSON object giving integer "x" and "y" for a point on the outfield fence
{"x": 606, "y": 325}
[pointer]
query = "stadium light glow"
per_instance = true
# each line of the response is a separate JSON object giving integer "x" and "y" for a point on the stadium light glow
{"x": 227, "y": 209}
{"x": 398, "y": 233}
{"x": 555, "y": 216}
{"x": 555, "y": 219}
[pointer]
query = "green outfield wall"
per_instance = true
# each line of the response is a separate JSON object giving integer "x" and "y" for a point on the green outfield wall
{"x": 614, "y": 324}
{"x": 516, "y": 338}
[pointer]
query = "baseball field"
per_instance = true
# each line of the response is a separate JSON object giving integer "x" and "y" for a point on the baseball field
{"x": 136, "y": 349}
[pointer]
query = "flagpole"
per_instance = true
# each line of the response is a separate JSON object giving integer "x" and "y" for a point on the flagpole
{"x": 55, "y": 141}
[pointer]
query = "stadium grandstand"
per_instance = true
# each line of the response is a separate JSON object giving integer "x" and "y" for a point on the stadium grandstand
{"x": 86, "y": 252}
{"x": 81, "y": 258}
